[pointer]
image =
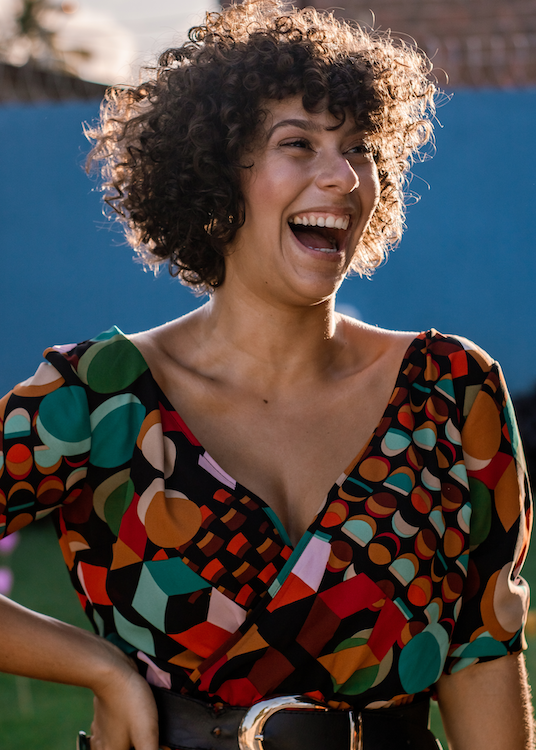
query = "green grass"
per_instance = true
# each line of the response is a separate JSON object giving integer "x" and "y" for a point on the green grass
{"x": 44, "y": 716}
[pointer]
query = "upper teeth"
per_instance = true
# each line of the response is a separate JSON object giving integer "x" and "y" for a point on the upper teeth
{"x": 335, "y": 222}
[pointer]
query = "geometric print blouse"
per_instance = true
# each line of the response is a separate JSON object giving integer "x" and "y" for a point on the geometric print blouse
{"x": 411, "y": 567}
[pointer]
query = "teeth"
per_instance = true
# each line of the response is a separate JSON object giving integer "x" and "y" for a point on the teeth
{"x": 332, "y": 222}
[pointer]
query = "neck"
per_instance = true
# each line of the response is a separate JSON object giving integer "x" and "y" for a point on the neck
{"x": 270, "y": 344}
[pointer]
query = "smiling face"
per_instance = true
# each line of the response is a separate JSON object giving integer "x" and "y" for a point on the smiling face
{"x": 307, "y": 199}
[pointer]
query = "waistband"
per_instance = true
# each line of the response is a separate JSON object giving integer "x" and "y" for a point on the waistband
{"x": 290, "y": 723}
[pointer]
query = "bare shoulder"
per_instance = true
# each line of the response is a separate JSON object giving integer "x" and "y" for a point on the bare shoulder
{"x": 168, "y": 341}
{"x": 372, "y": 344}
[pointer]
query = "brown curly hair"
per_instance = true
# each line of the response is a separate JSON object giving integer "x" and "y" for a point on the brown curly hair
{"x": 173, "y": 147}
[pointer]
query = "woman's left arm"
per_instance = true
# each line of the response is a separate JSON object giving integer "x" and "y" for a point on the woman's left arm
{"x": 487, "y": 706}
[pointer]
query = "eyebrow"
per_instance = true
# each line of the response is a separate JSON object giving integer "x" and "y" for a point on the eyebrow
{"x": 304, "y": 125}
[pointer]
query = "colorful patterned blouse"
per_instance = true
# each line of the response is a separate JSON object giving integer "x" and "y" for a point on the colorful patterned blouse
{"x": 411, "y": 567}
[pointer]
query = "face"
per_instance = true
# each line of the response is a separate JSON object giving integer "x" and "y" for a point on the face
{"x": 308, "y": 199}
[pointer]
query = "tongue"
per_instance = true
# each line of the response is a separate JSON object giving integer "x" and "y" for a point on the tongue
{"x": 311, "y": 237}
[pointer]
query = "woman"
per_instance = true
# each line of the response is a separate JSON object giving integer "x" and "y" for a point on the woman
{"x": 264, "y": 162}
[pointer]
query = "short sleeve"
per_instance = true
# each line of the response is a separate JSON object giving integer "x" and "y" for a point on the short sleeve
{"x": 495, "y": 599}
{"x": 45, "y": 441}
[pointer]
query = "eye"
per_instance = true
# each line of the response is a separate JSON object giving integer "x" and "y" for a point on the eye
{"x": 297, "y": 143}
{"x": 360, "y": 148}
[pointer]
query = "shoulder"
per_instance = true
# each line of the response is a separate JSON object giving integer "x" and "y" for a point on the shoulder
{"x": 106, "y": 363}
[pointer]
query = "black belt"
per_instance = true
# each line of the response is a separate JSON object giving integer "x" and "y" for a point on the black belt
{"x": 190, "y": 724}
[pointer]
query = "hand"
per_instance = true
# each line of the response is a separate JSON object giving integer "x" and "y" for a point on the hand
{"x": 125, "y": 714}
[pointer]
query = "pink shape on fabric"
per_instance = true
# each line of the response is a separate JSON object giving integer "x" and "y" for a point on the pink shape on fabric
{"x": 155, "y": 676}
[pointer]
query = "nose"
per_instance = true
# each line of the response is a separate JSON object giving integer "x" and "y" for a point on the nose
{"x": 337, "y": 173}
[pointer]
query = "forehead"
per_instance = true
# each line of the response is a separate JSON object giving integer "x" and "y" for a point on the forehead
{"x": 291, "y": 112}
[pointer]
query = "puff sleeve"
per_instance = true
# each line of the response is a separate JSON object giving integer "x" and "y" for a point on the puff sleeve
{"x": 495, "y": 599}
{"x": 45, "y": 442}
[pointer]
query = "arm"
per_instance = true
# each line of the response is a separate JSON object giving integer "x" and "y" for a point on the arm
{"x": 487, "y": 706}
{"x": 41, "y": 647}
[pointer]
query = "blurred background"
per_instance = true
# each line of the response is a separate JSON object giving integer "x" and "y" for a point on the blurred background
{"x": 467, "y": 263}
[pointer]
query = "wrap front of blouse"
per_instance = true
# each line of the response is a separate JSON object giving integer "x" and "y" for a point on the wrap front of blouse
{"x": 411, "y": 568}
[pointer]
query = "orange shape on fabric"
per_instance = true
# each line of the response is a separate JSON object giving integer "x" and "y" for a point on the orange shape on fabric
{"x": 245, "y": 595}
{"x": 237, "y": 543}
{"x": 459, "y": 366}
{"x": 481, "y": 434}
{"x": 202, "y": 639}
{"x": 19, "y": 461}
{"x": 19, "y": 522}
{"x": 507, "y": 497}
{"x": 343, "y": 664}
{"x": 123, "y": 555}
{"x": 420, "y": 591}
{"x": 222, "y": 496}
{"x": 94, "y": 579}
{"x": 268, "y": 574}
{"x": 172, "y": 521}
{"x": 375, "y": 469}
{"x": 291, "y": 591}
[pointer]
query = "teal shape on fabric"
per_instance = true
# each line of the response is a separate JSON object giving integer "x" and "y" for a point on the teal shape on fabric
{"x": 467, "y": 510}
{"x": 1, "y": 460}
{"x": 422, "y": 388}
{"x": 150, "y": 601}
{"x": 127, "y": 648}
{"x": 404, "y": 568}
{"x": 139, "y": 638}
{"x": 441, "y": 559}
{"x": 425, "y": 437}
{"x": 437, "y": 521}
{"x": 481, "y": 646}
{"x": 463, "y": 562}
{"x": 274, "y": 518}
{"x": 46, "y": 456}
{"x": 117, "y": 503}
{"x": 359, "y": 530}
{"x": 13, "y": 508}
{"x": 290, "y": 563}
{"x": 460, "y": 472}
{"x": 109, "y": 334}
{"x": 17, "y": 426}
{"x": 99, "y": 622}
{"x": 461, "y": 664}
{"x": 114, "y": 437}
{"x": 323, "y": 536}
{"x": 359, "y": 484}
{"x": 396, "y": 440}
{"x": 111, "y": 366}
{"x": 400, "y": 481}
{"x": 360, "y": 681}
{"x": 432, "y": 612}
{"x": 402, "y": 606}
{"x": 422, "y": 659}
{"x": 446, "y": 386}
{"x": 511, "y": 423}
{"x": 349, "y": 643}
{"x": 63, "y": 423}
{"x": 174, "y": 577}
{"x": 481, "y": 515}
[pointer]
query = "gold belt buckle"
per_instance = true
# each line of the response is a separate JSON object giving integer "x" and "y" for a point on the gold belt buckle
{"x": 250, "y": 731}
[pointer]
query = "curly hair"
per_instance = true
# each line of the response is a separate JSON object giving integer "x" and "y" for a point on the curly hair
{"x": 172, "y": 148}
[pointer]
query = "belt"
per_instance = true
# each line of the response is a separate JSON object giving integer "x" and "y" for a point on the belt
{"x": 290, "y": 723}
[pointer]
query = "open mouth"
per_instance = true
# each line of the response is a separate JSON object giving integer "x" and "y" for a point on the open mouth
{"x": 325, "y": 233}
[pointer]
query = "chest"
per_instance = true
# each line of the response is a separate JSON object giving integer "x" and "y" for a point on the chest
{"x": 289, "y": 450}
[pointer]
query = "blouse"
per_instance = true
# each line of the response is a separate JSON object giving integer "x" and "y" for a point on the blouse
{"x": 411, "y": 567}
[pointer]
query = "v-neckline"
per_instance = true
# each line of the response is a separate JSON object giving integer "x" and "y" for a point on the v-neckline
{"x": 341, "y": 479}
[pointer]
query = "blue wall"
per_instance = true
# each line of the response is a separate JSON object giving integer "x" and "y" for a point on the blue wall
{"x": 466, "y": 264}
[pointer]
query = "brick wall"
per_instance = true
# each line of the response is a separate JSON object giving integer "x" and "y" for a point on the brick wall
{"x": 477, "y": 42}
